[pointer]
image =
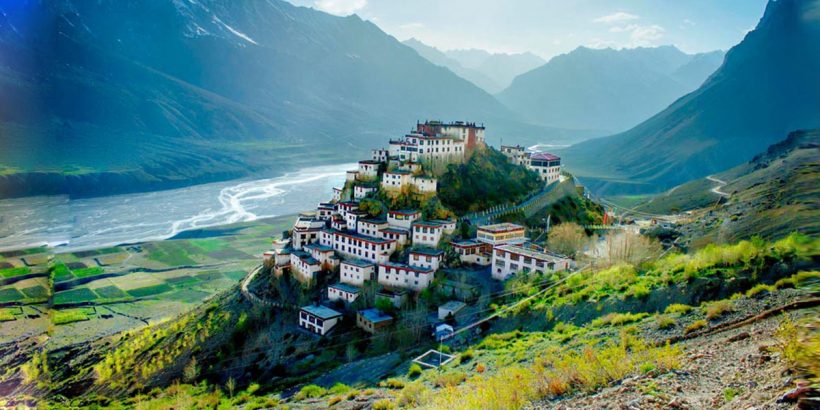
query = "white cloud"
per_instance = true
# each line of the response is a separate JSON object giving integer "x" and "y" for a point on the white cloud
{"x": 688, "y": 22}
{"x": 643, "y": 36}
{"x": 340, "y": 7}
{"x": 616, "y": 17}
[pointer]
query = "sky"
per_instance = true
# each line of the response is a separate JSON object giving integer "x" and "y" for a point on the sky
{"x": 551, "y": 27}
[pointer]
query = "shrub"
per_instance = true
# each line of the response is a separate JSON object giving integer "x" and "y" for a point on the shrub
{"x": 383, "y": 404}
{"x": 717, "y": 309}
{"x": 696, "y": 325}
{"x": 759, "y": 289}
{"x": 333, "y": 400}
{"x": 678, "y": 308}
{"x": 253, "y": 388}
{"x": 310, "y": 391}
{"x": 638, "y": 291}
{"x": 664, "y": 322}
{"x": 646, "y": 367}
{"x": 392, "y": 383}
{"x": 413, "y": 394}
{"x": 730, "y": 393}
{"x": 617, "y": 319}
{"x": 480, "y": 368}
{"x": 449, "y": 379}
{"x": 799, "y": 346}
{"x": 414, "y": 371}
{"x": 466, "y": 356}
{"x": 339, "y": 388}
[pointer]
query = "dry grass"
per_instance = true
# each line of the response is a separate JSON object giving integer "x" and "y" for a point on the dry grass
{"x": 719, "y": 308}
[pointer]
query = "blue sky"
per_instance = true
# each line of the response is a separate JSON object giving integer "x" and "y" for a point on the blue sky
{"x": 551, "y": 27}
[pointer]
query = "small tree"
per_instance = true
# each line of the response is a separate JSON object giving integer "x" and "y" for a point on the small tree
{"x": 567, "y": 238}
{"x": 191, "y": 371}
{"x": 230, "y": 385}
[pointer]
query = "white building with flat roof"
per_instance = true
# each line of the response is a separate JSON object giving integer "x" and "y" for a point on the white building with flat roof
{"x": 353, "y": 245}
{"x": 427, "y": 233}
{"x": 404, "y": 276}
{"x": 371, "y": 227}
{"x": 318, "y": 319}
{"x": 510, "y": 259}
{"x": 425, "y": 257}
{"x": 306, "y": 230}
{"x": 547, "y": 166}
{"x": 304, "y": 267}
{"x": 502, "y": 233}
{"x": 342, "y": 291}
{"x": 403, "y": 218}
{"x": 356, "y": 272}
{"x": 361, "y": 191}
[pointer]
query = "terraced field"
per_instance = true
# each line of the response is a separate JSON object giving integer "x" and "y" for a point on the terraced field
{"x": 103, "y": 291}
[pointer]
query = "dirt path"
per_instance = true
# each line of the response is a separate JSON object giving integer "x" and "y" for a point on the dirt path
{"x": 720, "y": 184}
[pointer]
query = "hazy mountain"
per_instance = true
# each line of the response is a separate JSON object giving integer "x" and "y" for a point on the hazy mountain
{"x": 500, "y": 67}
{"x": 767, "y": 86}
{"x": 437, "y": 57}
{"x": 491, "y": 71}
{"x": 607, "y": 89}
{"x": 111, "y": 96}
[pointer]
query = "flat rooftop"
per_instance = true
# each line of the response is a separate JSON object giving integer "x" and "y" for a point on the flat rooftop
{"x": 500, "y": 228}
{"x": 375, "y": 315}
{"x": 320, "y": 311}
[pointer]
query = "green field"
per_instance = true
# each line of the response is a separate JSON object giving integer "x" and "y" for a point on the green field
{"x": 86, "y": 272}
{"x": 11, "y": 295}
{"x": 111, "y": 292}
{"x": 186, "y": 295}
{"x": 150, "y": 290}
{"x": 62, "y": 317}
{"x": 75, "y": 296}
{"x": 61, "y": 273}
{"x": 12, "y": 272}
{"x": 169, "y": 253}
{"x": 35, "y": 292}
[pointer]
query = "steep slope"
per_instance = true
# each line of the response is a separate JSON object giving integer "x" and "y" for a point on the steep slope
{"x": 607, "y": 89}
{"x": 437, "y": 57}
{"x": 767, "y": 86}
{"x": 113, "y": 96}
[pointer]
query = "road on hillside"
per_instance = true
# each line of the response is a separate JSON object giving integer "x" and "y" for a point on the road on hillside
{"x": 720, "y": 184}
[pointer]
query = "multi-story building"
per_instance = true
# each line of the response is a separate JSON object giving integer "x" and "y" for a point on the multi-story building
{"x": 356, "y": 272}
{"x": 502, "y": 233}
{"x": 368, "y": 170}
{"x": 324, "y": 255}
{"x": 304, "y": 267}
{"x": 380, "y": 155}
{"x": 361, "y": 191}
{"x": 353, "y": 245}
{"x": 547, "y": 166}
{"x": 342, "y": 291}
{"x": 403, "y": 218}
{"x": 371, "y": 227}
{"x": 351, "y": 175}
{"x": 372, "y": 320}
{"x": 469, "y": 132}
{"x": 400, "y": 235}
{"x": 325, "y": 211}
{"x": 420, "y": 147}
{"x": 306, "y": 230}
{"x": 352, "y": 218}
{"x": 396, "y": 179}
{"x": 337, "y": 194}
{"x": 397, "y": 297}
{"x": 318, "y": 319}
{"x": 516, "y": 154}
{"x": 427, "y": 233}
{"x": 425, "y": 257}
{"x": 472, "y": 251}
{"x": 510, "y": 259}
{"x": 404, "y": 276}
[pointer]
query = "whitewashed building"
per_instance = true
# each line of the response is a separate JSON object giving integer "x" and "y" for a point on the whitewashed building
{"x": 425, "y": 257}
{"x": 501, "y": 233}
{"x": 404, "y": 276}
{"x": 450, "y": 309}
{"x": 318, "y": 319}
{"x": 371, "y": 227}
{"x": 353, "y": 245}
{"x": 324, "y": 255}
{"x": 547, "y": 166}
{"x": 380, "y": 155}
{"x": 372, "y": 320}
{"x": 427, "y": 233}
{"x": 342, "y": 291}
{"x": 361, "y": 191}
{"x": 325, "y": 211}
{"x": 472, "y": 251}
{"x": 306, "y": 230}
{"x": 303, "y": 266}
{"x": 356, "y": 272}
{"x": 510, "y": 259}
{"x": 368, "y": 170}
{"x": 396, "y": 179}
{"x": 400, "y": 235}
{"x": 403, "y": 218}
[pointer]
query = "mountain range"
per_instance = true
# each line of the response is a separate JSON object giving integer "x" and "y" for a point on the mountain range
{"x": 116, "y": 96}
{"x": 491, "y": 71}
{"x": 767, "y": 87}
{"x": 607, "y": 89}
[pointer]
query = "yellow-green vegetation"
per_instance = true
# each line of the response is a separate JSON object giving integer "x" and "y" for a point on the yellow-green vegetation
{"x": 759, "y": 288}
{"x": 678, "y": 308}
{"x": 695, "y": 326}
{"x": 65, "y": 316}
{"x": 718, "y": 308}
{"x": 558, "y": 371}
{"x": 392, "y": 383}
{"x": 721, "y": 261}
{"x": 311, "y": 391}
{"x": 383, "y": 404}
{"x": 7, "y": 314}
{"x": 35, "y": 371}
{"x": 664, "y": 322}
{"x": 617, "y": 319}
{"x": 187, "y": 396}
{"x": 137, "y": 358}
{"x": 414, "y": 371}
{"x": 799, "y": 346}
{"x": 449, "y": 378}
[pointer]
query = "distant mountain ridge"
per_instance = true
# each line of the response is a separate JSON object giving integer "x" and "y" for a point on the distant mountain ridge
{"x": 767, "y": 86}
{"x": 607, "y": 89}
{"x": 117, "y": 96}
{"x": 491, "y": 71}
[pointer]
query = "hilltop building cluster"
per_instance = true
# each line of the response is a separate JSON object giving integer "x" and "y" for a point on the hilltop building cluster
{"x": 400, "y": 250}
{"x": 546, "y": 165}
